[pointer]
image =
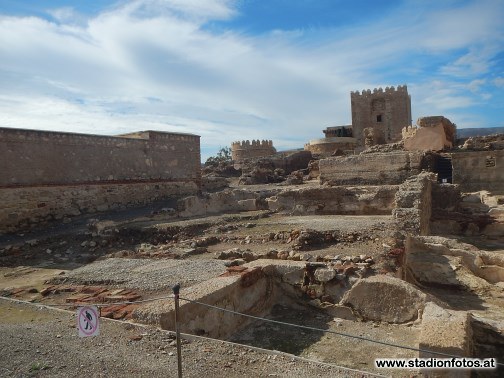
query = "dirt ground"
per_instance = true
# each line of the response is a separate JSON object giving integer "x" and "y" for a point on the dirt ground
{"x": 143, "y": 256}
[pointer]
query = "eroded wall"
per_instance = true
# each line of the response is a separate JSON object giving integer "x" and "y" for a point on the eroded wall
{"x": 479, "y": 170}
{"x": 370, "y": 169}
{"x": 51, "y": 175}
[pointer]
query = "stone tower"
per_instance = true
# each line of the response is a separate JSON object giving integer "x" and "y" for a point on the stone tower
{"x": 383, "y": 113}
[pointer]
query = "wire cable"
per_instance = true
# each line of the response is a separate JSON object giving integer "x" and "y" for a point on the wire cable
{"x": 257, "y": 318}
{"x": 195, "y": 337}
{"x": 328, "y": 331}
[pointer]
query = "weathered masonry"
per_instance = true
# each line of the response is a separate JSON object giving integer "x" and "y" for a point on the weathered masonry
{"x": 382, "y": 112}
{"x": 51, "y": 175}
{"x": 479, "y": 170}
{"x": 247, "y": 149}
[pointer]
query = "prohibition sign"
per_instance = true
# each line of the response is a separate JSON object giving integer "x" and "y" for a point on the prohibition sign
{"x": 88, "y": 321}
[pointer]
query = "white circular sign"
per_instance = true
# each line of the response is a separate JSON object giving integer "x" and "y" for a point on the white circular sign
{"x": 88, "y": 321}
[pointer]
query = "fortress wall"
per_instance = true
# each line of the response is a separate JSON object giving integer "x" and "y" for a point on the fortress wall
{"x": 479, "y": 170}
{"x": 52, "y": 175}
{"x": 40, "y": 157}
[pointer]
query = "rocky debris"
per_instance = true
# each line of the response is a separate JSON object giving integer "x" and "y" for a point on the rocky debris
{"x": 273, "y": 169}
{"x": 384, "y": 148}
{"x": 295, "y": 178}
{"x": 484, "y": 143}
{"x": 220, "y": 169}
{"x": 430, "y": 262}
{"x": 214, "y": 183}
{"x": 313, "y": 170}
{"x": 236, "y": 253}
{"x": 385, "y": 299}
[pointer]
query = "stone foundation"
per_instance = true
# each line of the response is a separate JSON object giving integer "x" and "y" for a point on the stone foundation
{"x": 370, "y": 169}
{"x": 338, "y": 200}
{"x": 479, "y": 170}
{"x": 24, "y": 207}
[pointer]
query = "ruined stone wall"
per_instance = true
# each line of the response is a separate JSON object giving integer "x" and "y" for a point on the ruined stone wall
{"x": 413, "y": 204}
{"x": 479, "y": 170}
{"x": 433, "y": 133}
{"x": 23, "y": 207}
{"x": 50, "y": 175}
{"x": 387, "y": 111}
{"x": 369, "y": 200}
{"x": 32, "y": 157}
{"x": 247, "y": 149}
{"x": 370, "y": 169}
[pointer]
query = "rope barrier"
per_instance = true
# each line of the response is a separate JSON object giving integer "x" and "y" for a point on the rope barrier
{"x": 102, "y": 304}
{"x": 263, "y": 319}
{"x": 194, "y": 337}
{"x": 326, "y": 331}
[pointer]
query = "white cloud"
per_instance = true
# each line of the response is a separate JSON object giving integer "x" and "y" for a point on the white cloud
{"x": 499, "y": 82}
{"x": 98, "y": 75}
{"x": 475, "y": 85}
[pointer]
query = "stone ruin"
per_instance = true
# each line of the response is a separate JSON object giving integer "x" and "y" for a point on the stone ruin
{"x": 433, "y": 196}
{"x": 434, "y": 133}
{"x": 251, "y": 149}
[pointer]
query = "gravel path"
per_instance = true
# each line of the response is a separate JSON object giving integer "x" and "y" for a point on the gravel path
{"x": 41, "y": 342}
{"x": 331, "y": 222}
{"x": 145, "y": 274}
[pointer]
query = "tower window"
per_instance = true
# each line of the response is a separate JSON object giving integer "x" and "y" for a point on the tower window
{"x": 379, "y": 118}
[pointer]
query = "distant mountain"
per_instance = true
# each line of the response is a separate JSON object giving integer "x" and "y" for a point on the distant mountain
{"x": 466, "y": 133}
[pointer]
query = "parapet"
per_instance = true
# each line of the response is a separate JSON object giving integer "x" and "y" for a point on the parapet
{"x": 379, "y": 91}
{"x": 251, "y": 149}
{"x": 245, "y": 144}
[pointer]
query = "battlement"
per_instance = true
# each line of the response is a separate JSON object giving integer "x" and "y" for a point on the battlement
{"x": 251, "y": 149}
{"x": 379, "y": 91}
{"x": 245, "y": 144}
{"x": 37, "y": 157}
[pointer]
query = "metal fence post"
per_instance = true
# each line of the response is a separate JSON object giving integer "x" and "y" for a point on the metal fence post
{"x": 176, "y": 291}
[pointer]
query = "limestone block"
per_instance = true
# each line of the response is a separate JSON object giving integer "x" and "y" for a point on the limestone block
{"x": 445, "y": 331}
{"x": 341, "y": 312}
{"x": 494, "y": 229}
{"x": 427, "y": 139}
{"x": 336, "y": 290}
{"x": 247, "y": 205}
{"x": 385, "y": 298}
{"x": 325, "y": 274}
{"x": 496, "y": 212}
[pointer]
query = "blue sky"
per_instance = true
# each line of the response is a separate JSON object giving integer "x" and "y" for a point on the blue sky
{"x": 245, "y": 69}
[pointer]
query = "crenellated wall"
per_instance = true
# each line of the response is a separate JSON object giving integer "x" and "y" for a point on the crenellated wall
{"x": 251, "y": 149}
{"x": 32, "y": 157}
{"x": 48, "y": 175}
{"x": 386, "y": 110}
